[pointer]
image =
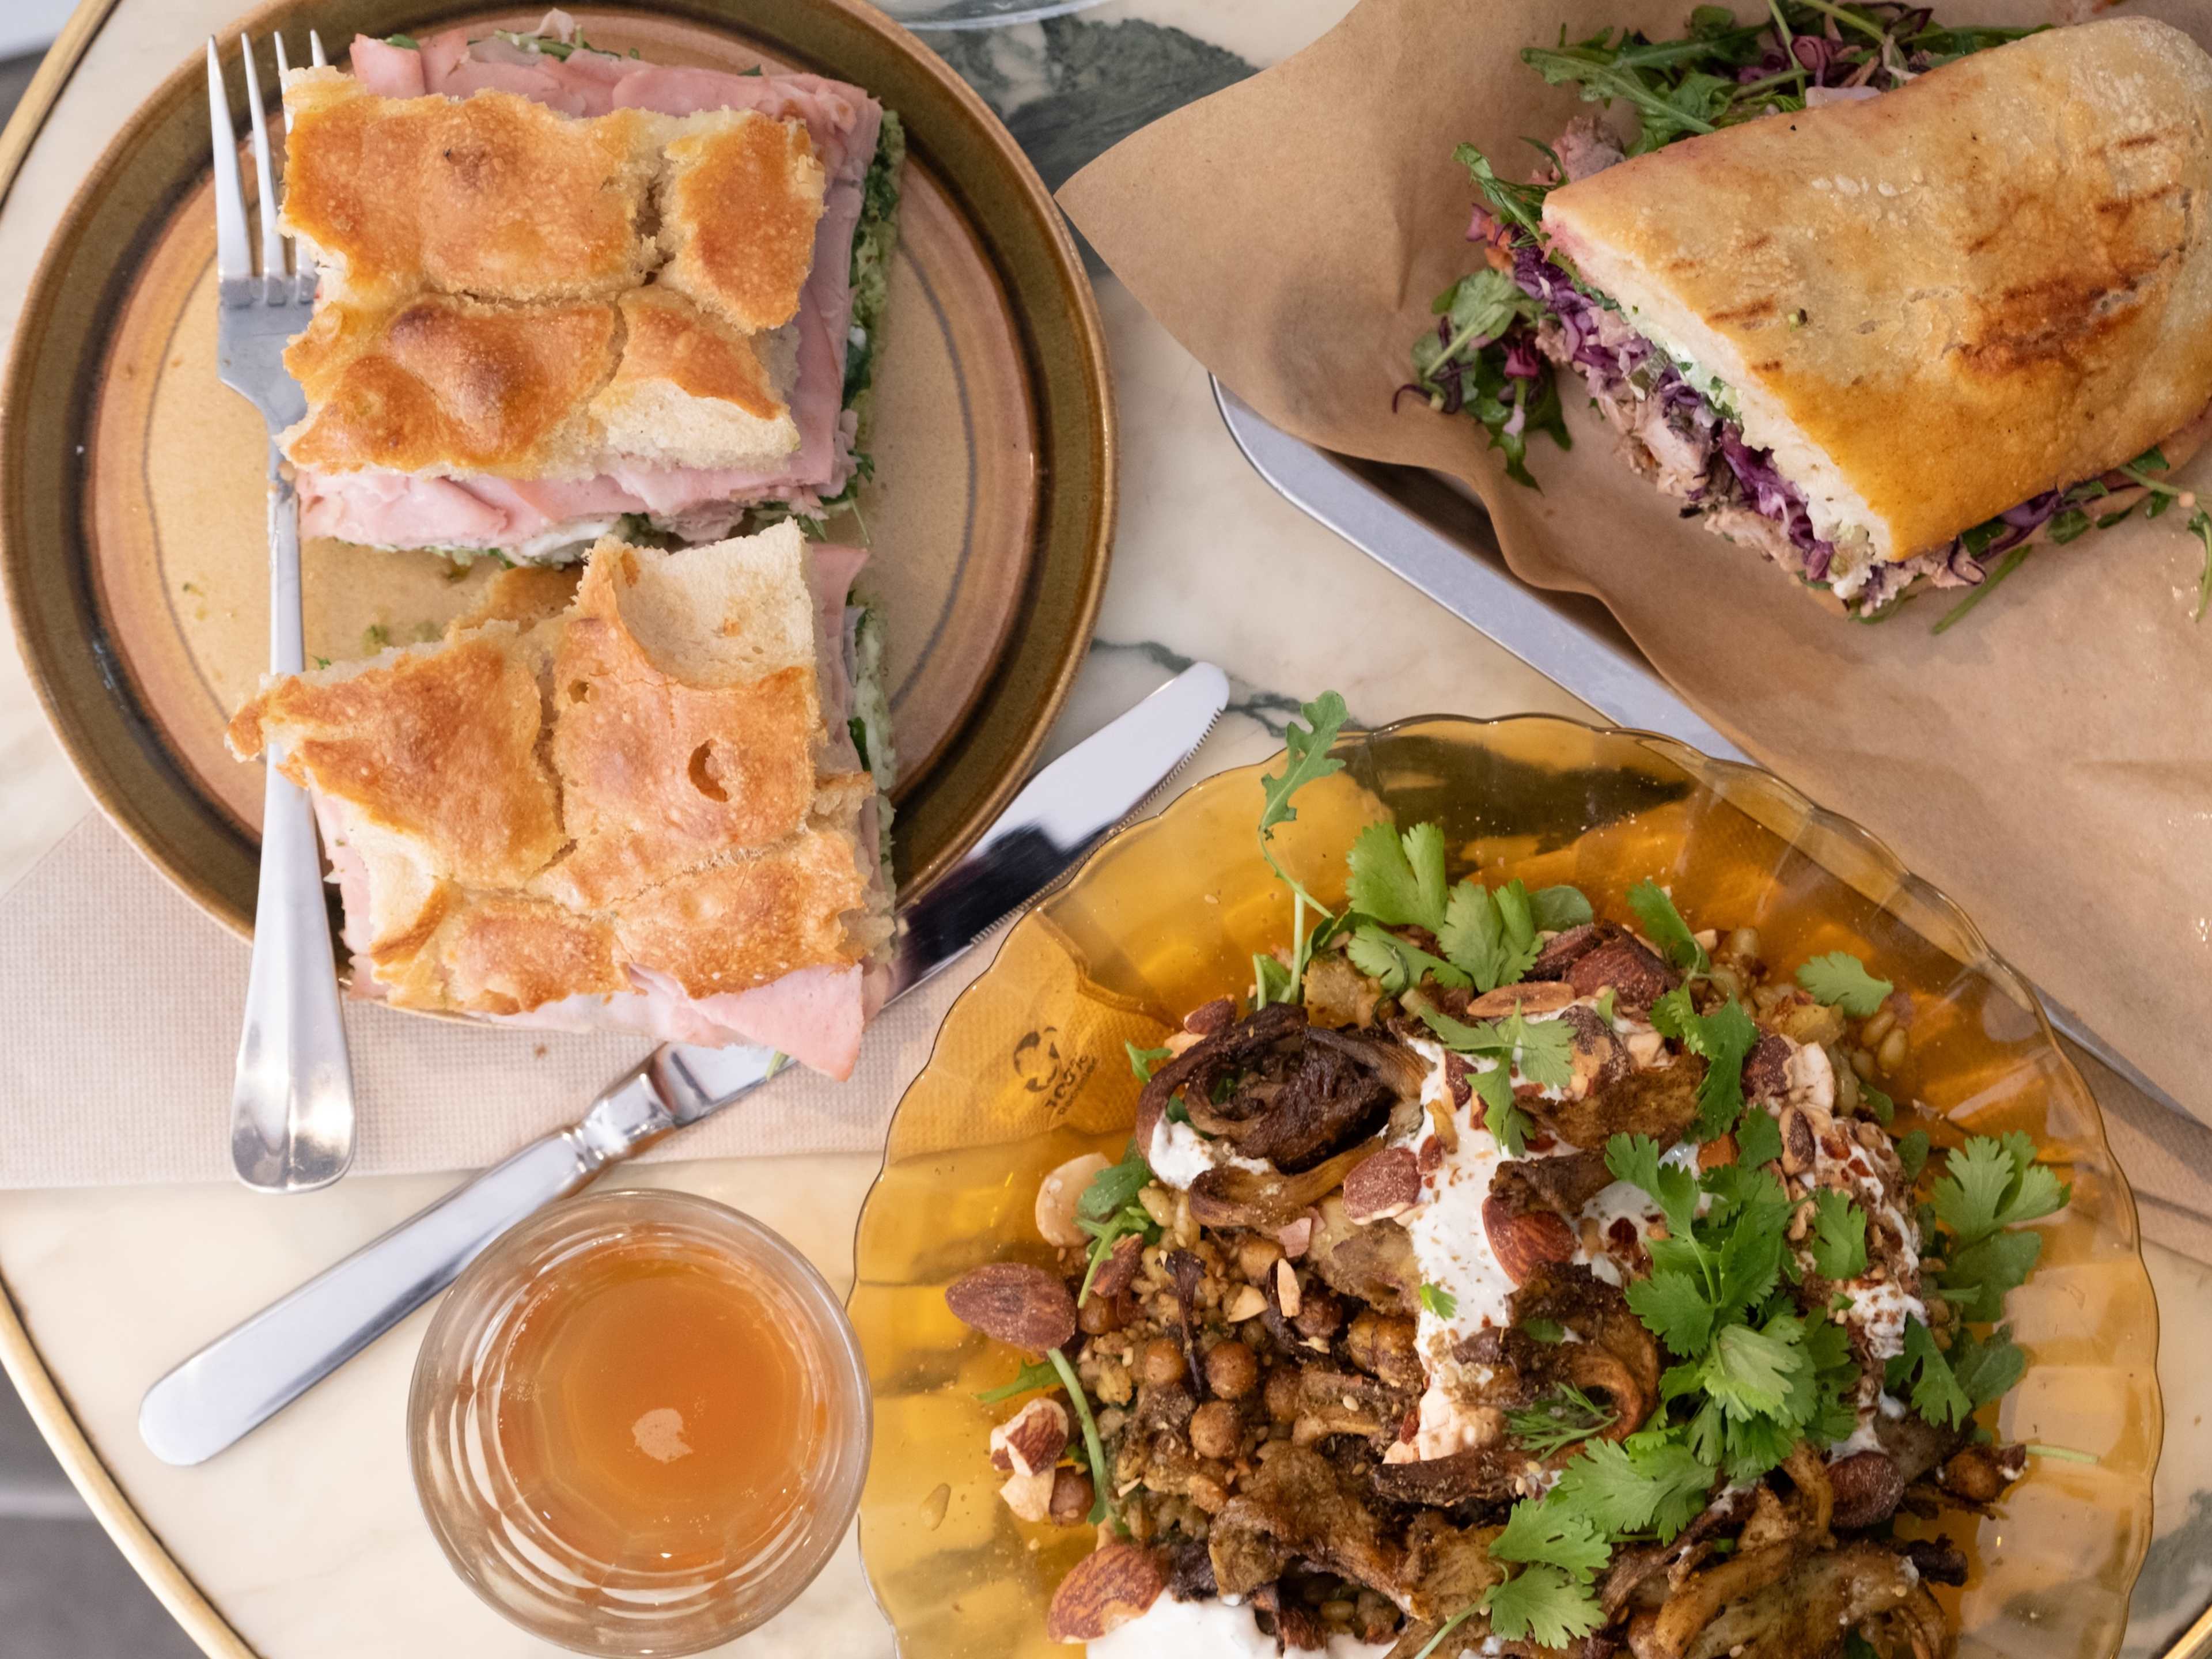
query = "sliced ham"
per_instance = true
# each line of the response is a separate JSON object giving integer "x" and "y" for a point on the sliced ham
{"x": 383, "y": 509}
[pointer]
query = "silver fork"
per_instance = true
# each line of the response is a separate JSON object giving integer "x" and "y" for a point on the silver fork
{"x": 292, "y": 1120}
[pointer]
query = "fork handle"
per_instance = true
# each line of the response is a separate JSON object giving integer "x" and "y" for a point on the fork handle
{"x": 292, "y": 1118}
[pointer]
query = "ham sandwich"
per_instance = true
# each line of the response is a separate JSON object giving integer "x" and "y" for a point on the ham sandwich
{"x": 632, "y": 801}
{"x": 561, "y": 289}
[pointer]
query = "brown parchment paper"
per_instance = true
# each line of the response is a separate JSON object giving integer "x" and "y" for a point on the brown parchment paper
{"x": 2047, "y": 761}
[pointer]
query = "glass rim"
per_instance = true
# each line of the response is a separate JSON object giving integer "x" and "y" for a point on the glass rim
{"x": 467, "y": 1500}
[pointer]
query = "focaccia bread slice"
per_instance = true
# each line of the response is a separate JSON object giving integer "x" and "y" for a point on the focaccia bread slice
{"x": 1935, "y": 304}
{"x": 621, "y": 811}
{"x": 494, "y": 196}
{"x": 445, "y": 386}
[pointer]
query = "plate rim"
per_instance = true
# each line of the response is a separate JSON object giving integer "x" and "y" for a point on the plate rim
{"x": 1097, "y": 515}
{"x": 1710, "y": 772}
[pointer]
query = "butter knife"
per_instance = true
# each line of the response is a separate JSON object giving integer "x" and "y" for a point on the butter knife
{"x": 247, "y": 1376}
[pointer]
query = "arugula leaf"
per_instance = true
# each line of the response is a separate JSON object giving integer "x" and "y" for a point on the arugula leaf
{"x": 1306, "y": 760}
{"x": 1271, "y": 981}
{"x": 1037, "y": 1374}
{"x": 1936, "y": 1394}
{"x": 1543, "y": 1604}
{"x": 1758, "y": 1139}
{"x": 1439, "y": 1301}
{"x": 1519, "y": 205}
{"x": 1558, "y": 1421}
{"x": 1094, "y": 1450}
{"x": 1664, "y": 926}
{"x": 1840, "y": 980}
{"x": 1913, "y": 1152}
{"x": 1555, "y": 909}
{"x": 1883, "y": 1108}
{"x": 1399, "y": 879}
{"x": 1145, "y": 1061}
{"x": 1108, "y": 1210}
{"x": 1399, "y": 965}
{"x": 1838, "y": 1238}
{"x": 1114, "y": 1187}
{"x": 1991, "y": 1182}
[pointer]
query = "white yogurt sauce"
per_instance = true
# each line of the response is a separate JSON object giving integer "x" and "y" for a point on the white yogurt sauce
{"x": 1179, "y": 1155}
{"x": 1169, "y": 1629}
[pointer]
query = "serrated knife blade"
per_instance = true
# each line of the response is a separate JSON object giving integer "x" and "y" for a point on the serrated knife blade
{"x": 248, "y": 1375}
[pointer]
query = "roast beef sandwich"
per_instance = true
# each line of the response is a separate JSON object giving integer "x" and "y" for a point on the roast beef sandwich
{"x": 565, "y": 292}
{"x": 1883, "y": 312}
{"x": 650, "y": 799}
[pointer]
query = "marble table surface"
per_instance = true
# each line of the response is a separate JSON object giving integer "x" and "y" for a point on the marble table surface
{"x": 307, "y": 1538}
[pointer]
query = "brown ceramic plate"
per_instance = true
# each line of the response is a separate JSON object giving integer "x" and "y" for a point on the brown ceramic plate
{"x": 131, "y": 481}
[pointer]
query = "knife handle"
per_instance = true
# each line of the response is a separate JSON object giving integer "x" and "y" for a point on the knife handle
{"x": 251, "y": 1372}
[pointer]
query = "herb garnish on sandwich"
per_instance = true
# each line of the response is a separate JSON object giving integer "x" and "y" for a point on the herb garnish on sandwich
{"x": 1887, "y": 300}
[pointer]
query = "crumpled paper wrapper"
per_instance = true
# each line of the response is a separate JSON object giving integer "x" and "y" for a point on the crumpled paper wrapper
{"x": 2047, "y": 762}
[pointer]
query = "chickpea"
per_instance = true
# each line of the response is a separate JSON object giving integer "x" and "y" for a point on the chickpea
{"x": 1232, "y": 1370}
{"x": 1100, "y": 1313}
{"x": 1160, "y": 1365}
{"x": 1282, "y": 1395}
{"x": 1071, "y": 1497}
{"x": 1891, "y": 1054}
{"x": 1216, "y": 1429}
{"x": 1743, "y": 943}
{"x": 1383, "y": 1345}
{"x": 1256, "y": 1257}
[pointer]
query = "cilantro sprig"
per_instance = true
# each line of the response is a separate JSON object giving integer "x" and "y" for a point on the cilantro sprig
{"x": 1990, "y": 1185}
{"x": 1841, "y": 979}
{"x": 1838, "y": 1241}
{"x": 1723, "y": 1040}
{"x": 1145, "y": 1061}
{"x": 1664, "y": 926}
{"x": 1541, "y": 1051}
{"x": 1488, "y": 936}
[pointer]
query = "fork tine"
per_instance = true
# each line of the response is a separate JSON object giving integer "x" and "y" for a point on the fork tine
{"x": 233, "y": 257}
{"x": 283, "y": 69}
{"x": 315, "y": 47}
{"x": 273, "y": 269}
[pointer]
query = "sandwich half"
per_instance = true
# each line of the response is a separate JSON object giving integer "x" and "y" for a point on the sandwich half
{"x": 649, "y": 799}
{"x": 1891, "y": 335}
{"x": 564, "y": 294}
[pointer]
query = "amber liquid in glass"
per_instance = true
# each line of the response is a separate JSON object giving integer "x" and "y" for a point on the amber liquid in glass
{"x": 655, "y": 1413}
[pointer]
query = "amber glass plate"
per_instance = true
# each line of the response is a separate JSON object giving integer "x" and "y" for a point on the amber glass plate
{"x": 131, "y": 481}
{"x": 1030, "y": 1070}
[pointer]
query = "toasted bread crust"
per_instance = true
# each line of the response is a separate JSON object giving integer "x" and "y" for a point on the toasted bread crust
{"x": 629, "y": 784}
{"x": 390, "y": 740}
{"x": 658, "y": 775}
{"x": 445, "y": 384}
{"x": 1992, "y": 282}
{"x": 739, "y": 207}
{"x": 667, "y": 338}
{"x": 491, "y": 195}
